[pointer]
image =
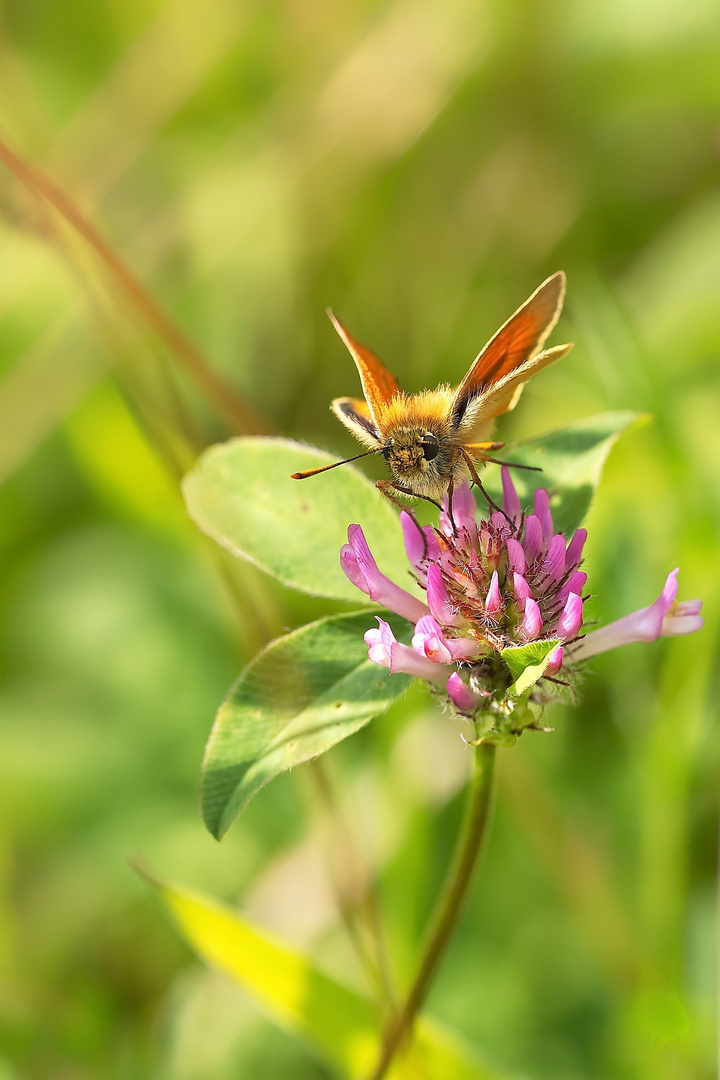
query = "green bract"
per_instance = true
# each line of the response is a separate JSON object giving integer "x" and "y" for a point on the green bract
{"x": 527, "y": 664}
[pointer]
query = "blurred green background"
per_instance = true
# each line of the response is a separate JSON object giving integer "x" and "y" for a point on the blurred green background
{"x": 420, "y": 166}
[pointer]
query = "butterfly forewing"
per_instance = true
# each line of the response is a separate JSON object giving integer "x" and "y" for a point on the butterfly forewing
{"x": 515, "y": 343}
{"x": 379, "y": 386}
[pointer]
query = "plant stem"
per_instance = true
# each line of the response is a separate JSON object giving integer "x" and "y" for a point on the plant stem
{"x": 452, "y": 897}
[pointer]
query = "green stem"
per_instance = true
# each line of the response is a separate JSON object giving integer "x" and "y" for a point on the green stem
{"x": 455, "y": 889}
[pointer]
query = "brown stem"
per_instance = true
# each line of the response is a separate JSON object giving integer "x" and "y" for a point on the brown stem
{"x": 223, "y": 397}
{"x": 457, "y": 883}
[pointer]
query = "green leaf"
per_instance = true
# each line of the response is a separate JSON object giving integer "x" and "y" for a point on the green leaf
{"x": 340, "y": 1024}
{"x": 300, "y": 696}
{"x": 527, "y": 663}
{"x": 241, "y": 494}
{"x": 571, "y": 460}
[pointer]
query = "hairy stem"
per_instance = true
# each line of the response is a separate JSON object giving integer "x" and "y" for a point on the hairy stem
{"x": 455, "y": 889}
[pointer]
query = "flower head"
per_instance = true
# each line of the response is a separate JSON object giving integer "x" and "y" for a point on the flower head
{"x": 504, "y": 594}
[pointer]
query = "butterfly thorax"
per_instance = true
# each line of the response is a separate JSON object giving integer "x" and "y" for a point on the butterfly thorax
{"x": 418, "y": 443}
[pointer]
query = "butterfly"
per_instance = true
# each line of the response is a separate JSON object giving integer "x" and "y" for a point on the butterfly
{"x": 434, "y": 439}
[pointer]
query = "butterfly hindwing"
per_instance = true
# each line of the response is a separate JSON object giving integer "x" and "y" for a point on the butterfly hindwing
{"x": 379, "y": 386}
{"x": 355, "y": 415}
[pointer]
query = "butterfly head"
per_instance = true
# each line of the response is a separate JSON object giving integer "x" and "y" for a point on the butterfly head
{"x": 419, "y": 453}
{"x": 410, "y": 451}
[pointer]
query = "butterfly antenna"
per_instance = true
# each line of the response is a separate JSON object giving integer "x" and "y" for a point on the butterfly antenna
{"x": 335, "y": 464}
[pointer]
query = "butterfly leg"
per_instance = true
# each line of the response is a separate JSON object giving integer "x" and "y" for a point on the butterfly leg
{"x": 382, "y": 485}
{"x": 481, "y": 448}
{"x": 385, "y": 485}
{"x": 512, "y": 464}
{"x": 478, "y": 483}
{"x": 450, "y": 490}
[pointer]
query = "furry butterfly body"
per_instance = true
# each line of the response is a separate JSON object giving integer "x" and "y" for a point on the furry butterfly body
{"x": 432, "y": 440}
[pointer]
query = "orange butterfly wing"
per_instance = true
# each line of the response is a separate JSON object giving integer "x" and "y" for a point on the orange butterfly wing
{"x": 379, "y": 386}
{"x": 515, "y": 343}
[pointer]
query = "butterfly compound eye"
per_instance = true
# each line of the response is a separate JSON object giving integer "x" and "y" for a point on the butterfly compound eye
{"x": 430, "y": 446}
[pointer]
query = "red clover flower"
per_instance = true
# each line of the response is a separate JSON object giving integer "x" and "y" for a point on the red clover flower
{"x": 494, "y": 587}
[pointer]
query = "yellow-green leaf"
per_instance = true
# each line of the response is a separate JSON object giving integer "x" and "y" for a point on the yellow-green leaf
{"x": 340, "y": 1024}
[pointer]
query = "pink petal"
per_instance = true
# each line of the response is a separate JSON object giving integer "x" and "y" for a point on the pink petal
{"x": 462, "y": 648}
{"x": 553, "y": 567}
{"x": 435, "y": 649}
{"x": 464, "y": 505}
{"x": 462, "y": 697}
{"x": 380, "y": 643}
{"x": 386, "y": 650}
{"x": 575, "y": 583}
{"x": 427, "y": 625}
{"x": 516, "y": 556}
{"x": 378, "y": 587}
{"x": 571, "y": 619}
{"x": 541, "y": 505}
{"x": 493, "y": 600}
{"x": 438, "y": 599}
{"x": 647, "y": 624}
{"x": 674, "y": 625}
{"x": 533, "y": 542}
{"x": 575, "y": 549}
{"x": 428, "y": 641}
{"x": 418, "y": 552}
{"x": 532, "y": 621}
{"x": 683, "y": 618}
{"x": 555, "y": 660}
{"x": 521, "y": 588}
{"x": 377, "y": 651}
{"x": 350, "y": 568}
{"x": 510, "y": 499}
{"x": 687, "y": 607}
